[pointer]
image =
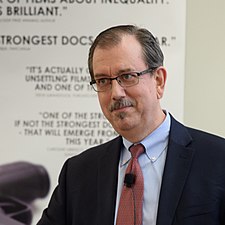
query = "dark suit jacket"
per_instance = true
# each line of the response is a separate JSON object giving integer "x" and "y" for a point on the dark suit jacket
{"x": 192, "y": 192}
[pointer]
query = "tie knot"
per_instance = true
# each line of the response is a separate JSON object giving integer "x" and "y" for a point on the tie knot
{"x": 136, "y": 150}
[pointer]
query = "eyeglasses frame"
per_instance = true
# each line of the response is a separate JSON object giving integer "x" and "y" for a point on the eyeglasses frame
{"x": 150, "y": 70}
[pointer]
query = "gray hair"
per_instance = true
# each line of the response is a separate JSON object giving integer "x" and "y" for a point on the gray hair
{"x": 112, "y": 36}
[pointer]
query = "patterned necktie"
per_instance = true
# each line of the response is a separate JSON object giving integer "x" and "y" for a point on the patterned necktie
{"x": 131, "y": 200}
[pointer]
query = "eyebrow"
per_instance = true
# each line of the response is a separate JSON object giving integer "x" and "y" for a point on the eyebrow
{"x": 99, "y": 75}
{"x": 121, "y": 71}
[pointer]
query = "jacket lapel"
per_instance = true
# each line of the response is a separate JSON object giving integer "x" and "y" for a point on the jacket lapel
{"x": 107, "y": 182}
{"x": 178, "y": 164}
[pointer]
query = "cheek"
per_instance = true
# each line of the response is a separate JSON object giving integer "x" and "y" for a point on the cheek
{"x": 150, "y": 90}
{"x": 147, "y": 96}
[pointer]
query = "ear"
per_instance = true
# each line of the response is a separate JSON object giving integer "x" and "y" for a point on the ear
{"x": 160, "y": 78}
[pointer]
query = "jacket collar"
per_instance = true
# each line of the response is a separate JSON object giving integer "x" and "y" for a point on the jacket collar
{"x": 107, "y": 181}
{"x": 177, "y": 166}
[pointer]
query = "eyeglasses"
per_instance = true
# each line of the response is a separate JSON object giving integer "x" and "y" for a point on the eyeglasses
{"x": 124, "y": 80}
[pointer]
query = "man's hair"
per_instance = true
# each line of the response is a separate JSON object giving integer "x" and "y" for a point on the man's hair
{"x": 152, "y": 54}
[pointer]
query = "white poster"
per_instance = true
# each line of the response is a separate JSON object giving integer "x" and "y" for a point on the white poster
{"x": 49, "y": 112}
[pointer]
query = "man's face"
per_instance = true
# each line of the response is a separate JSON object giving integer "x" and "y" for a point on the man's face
{"x": 134, "y": 111}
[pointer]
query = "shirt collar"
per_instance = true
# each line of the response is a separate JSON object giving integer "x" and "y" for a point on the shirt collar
{"x": 155, "y": 143}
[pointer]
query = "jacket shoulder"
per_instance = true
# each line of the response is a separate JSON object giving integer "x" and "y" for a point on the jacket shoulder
{"x": 94, "y": 154}
{"x": 206, "y": 138}
{"x": 185, "y": 135}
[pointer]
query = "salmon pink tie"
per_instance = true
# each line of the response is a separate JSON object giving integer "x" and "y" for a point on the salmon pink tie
{"x": 131, "y": 200}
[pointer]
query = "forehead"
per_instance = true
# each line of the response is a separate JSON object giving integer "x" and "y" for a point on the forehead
{"x": 127, "y": 55}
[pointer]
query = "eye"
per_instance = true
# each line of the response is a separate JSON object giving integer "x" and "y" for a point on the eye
{"x": 102, "y": 81}
{"x": 127, "y": 76}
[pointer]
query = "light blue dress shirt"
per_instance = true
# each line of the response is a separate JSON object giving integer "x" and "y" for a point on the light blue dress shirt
{"x": 152, "y": 164}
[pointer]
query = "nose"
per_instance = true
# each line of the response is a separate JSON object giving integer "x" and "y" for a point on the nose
{"x": 117, "y": 92}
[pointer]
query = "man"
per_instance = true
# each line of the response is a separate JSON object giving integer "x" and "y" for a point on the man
{"x": 182, "y": 168}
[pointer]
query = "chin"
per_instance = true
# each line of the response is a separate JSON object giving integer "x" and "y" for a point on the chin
{"x": 122, "y": 124}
